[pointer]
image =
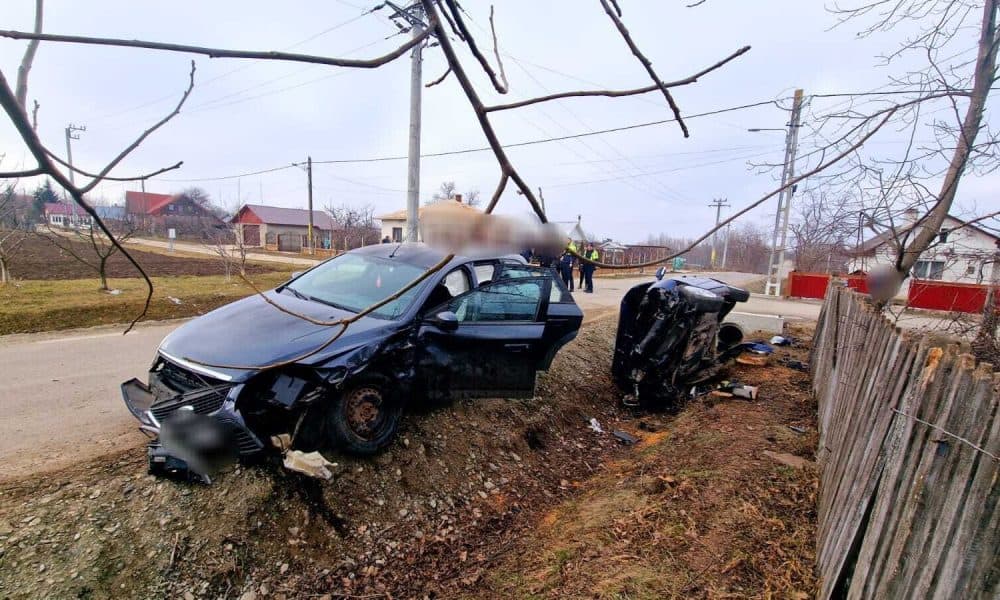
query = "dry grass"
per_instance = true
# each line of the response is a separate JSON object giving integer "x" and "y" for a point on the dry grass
{"x": 695, "y": 510}
{"x": 32, "y": 306}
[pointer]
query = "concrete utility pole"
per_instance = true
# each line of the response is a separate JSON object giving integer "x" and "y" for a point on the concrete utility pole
{"x": 780, "y": 236}
{"x": 413, "y": 17}
{"x": 71, "y": 134}
{"x": 718, "y": 203}
{"x": 309, "y": 176}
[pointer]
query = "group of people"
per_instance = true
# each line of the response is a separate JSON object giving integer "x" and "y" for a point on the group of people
{"x": 567, "y": 260}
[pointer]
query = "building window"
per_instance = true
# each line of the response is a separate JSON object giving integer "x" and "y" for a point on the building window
{"x": 971, "y": 269}
{"x": 928, "y": 269}
{"x": 943, "y": 235}
{"x": 397, "y": 234}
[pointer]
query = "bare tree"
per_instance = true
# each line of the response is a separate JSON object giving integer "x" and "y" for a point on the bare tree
{"x": 945, "y": 100}
{"x": 354, "y": 225}
{"x": 821, "y": 232}
{"x": 12, "y": 230}
{"x": 90, "y": 245}
{"x": 226, "y": 242}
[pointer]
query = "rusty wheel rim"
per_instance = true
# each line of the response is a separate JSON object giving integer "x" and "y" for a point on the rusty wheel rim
{"x": 364, "y": 411}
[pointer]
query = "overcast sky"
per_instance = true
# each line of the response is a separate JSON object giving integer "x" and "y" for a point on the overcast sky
{"x": 246, "y": 116}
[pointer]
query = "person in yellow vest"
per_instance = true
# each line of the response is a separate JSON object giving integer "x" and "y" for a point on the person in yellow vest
{"x": 587, "y": 269}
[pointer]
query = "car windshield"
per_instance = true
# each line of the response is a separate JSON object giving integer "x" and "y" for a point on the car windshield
{"x": 355, "y": 281}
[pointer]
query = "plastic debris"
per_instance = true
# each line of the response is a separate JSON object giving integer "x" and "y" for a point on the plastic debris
{"x": 758, "y": 348}
{"x": 114, "y": 292}
{"x": 748, "y": 392}
{"x": 780, "y": 340}
{"x": 797, "y": 429}
{"x": 595, "y": 425}
{"x": 797, "y": 365}
{"x": 309, "y": 463}
{"x": 624, "y": 437}
{"x": 174, "y": 300}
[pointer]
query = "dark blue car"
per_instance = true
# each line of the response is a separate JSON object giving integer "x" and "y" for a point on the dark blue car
{"x": 480, "y": 327}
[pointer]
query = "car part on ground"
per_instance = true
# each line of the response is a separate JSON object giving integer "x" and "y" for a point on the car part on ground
{"x": 671, "y": 336}
{"x": 224, "y": 383}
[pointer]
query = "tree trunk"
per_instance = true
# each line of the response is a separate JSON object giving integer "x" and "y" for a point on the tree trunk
{"x": 3, "y": 270}
{"x": 103, "y": 272}
{"x": 21, "y": 89}
{"x": 986, "y": 60}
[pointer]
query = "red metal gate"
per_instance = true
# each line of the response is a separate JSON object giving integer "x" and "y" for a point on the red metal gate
{"x": 950, "y": 296}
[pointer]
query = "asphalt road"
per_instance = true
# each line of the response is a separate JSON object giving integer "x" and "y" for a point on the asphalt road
{"x": 60, "y": 396}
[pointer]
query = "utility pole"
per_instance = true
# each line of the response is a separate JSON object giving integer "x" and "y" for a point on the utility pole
{"x": 718, "y": 203}
{"x": 780, "y": 236}
{"x": 71, "y": 134}
{"x": 413, "y": 16}
{"x": 309, "y": 176}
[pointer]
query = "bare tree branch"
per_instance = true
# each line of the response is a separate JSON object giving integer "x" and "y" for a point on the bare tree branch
{"x": 21, "y": 89}
{"x": 220, "y": 52}
{"x": 496, "y": 51}
{"x": 145, "y": 134}
{"x": 619, "y": 93}
{"x": 80, "y": 171}
{"x": 25, "y": 173}
{"x": 499, "y": 86}
{"x": 645, "y": 63}
{"x": 439, "y": 79}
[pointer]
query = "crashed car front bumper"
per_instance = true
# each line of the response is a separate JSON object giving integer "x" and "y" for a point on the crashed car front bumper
{"x": 218, "y": 403}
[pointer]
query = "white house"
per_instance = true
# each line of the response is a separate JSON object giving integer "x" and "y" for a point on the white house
{"x": 394, "y": 223}
{"x": 961, "y": 253}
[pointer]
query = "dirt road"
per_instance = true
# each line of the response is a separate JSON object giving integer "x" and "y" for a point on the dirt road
{"x": 61, "y": 397}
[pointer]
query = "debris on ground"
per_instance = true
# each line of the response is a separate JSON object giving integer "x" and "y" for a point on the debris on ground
{"x": 624, "y": 437}
{"x": 595, "y": 426}
{"x": 312, "y": 464}
{"x": 780, "y": 340}
{"x": 790, "y": 460}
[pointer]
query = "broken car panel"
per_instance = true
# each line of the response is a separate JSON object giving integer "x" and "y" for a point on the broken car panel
{"x": 671, "y": 336}
{"x": 478, "y": 327}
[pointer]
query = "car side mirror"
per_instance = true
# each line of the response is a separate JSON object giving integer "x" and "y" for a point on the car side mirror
{"x": 660, "y": 273}
{"x": 446, "y": 320}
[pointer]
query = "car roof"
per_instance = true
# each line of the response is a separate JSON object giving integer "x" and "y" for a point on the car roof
{"x": 422, "y": 255}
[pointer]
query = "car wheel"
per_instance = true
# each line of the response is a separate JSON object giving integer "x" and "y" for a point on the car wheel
{"x": 365, "y": 417}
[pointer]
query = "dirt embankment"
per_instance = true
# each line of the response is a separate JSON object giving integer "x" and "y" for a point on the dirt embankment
{"x": 493, "y": 498}
{"x": 38, "y": 258}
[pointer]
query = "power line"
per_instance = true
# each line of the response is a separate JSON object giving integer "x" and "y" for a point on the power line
{"x": 375, "y": 159}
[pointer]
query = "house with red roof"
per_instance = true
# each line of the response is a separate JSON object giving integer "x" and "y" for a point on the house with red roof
{"x": 156, "y": 213}
{"x": 65, "y": 215}
{"x": 284, "y": 229}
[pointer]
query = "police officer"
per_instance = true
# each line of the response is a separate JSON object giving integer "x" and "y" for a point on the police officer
{"x": 566, "y": 269}
{"x": 587, "y": 269}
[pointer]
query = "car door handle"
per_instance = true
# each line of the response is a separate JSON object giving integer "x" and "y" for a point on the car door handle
{"x": 516, "y": 347}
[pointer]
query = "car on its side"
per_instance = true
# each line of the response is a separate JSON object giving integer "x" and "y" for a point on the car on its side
{"x": 265, "y": 365}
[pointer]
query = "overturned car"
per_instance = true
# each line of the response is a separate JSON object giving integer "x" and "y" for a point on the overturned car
{"x": 222, "y": 385}
{"x": 671, "y": 336}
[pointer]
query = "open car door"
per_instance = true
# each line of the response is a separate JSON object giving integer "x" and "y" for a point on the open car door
{"x": 487, "y": 342}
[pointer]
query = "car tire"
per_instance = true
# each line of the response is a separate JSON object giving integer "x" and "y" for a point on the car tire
{"x": 365, "y": 417}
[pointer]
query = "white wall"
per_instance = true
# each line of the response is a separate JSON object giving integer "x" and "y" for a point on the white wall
{"x": 389, "y": 224}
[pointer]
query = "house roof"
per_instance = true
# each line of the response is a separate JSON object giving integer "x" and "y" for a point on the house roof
{"x": 400, "y": 215}
{"x": 872, "y": 243}
{"x": 63, "y": 208}
{"x": 276, "y": 215}
{"x": 143, "y": 202}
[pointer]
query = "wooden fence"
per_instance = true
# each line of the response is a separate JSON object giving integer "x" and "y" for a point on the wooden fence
{"x": 908, "y": 453}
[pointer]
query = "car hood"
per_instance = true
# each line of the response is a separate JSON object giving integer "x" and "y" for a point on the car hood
{"x": 239, "y": 338}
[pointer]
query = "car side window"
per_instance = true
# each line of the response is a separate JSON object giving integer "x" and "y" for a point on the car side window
{"x": 484, "y": 272}
{"x": 500, "y": 301}
{"x": 557, "y": 292}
